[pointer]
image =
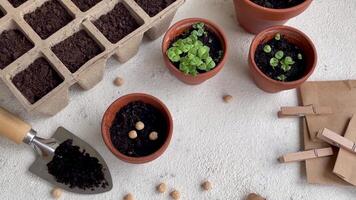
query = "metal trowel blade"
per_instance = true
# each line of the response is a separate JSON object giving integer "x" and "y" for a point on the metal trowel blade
{"x": 39, "y": 167}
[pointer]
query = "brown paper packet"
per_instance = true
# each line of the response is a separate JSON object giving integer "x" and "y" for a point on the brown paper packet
{"x": 340, "y": 96}
{"x": 320, "y": 171}
{"x": 345, "y": 166}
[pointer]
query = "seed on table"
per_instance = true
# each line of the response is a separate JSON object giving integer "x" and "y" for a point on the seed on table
{"x": 206, "y": 185}
{"x": 119, "y": 81}
{"x": 162, "y": 188}
{"x": 254, "y": 196}
{"x": 129, "y": 196}
{"x": 153, "y": 136}
{"x": 133, "y": 134}
{"x": 227, "y": 98}
{"x": 56, "y": 193}
{"x": 139, "y": 126}
{"x": 175, "y": 195}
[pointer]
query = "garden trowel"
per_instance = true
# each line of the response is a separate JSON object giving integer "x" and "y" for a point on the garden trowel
{"x": 21, "y": 132}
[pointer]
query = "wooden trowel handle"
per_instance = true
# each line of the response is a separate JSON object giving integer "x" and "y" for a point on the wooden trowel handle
{"x": 12, "y": 127}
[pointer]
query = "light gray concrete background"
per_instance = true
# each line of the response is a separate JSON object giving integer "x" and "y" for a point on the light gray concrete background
{"x": 235, "y": 145}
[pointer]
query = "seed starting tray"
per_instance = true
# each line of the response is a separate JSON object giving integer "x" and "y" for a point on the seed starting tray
{"x": 92, "y": 72}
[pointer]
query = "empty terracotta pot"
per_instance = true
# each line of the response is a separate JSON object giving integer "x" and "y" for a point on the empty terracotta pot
{"x": 179, "y": 28}
{"x": 255, "y": 18}
{"x": 110, "y": 115}
{"x": 294, "y": 36}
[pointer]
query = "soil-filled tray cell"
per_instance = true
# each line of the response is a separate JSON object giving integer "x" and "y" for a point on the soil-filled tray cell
{"x": 153, "y": 7}
{"x": 37, "y": 80}
{"x": 48, "y": 18}
{"x": 76, "y": 50}
{"x": 85, "y": 5}
{"x": 17, "y": 3}
{"x": 117, "y": 24}
{"x": 13, "y": 44}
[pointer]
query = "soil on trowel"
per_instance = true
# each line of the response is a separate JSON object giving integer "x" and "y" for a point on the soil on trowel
{"x": 117, "y": 24}
{"x": 13, "y": 44}
{"x": 153, "y": 7}
{"x": 76, "y": 50}
{"x": 17, "y": 3}
{"x": 278, "y": 4}
{"x": 125, "y": 121}
{"x": 76, "y": 168}
{"x": 37, "y": 80}
{"x": 85, "y": 5}
{"x": 48, "y": 18}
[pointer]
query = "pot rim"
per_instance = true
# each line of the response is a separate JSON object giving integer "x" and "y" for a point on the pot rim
{"x": 287, "y": 28}
{"x": 275, "y": 10}
{"x": 214, "y": 27}
{"x": 143, "y": 159}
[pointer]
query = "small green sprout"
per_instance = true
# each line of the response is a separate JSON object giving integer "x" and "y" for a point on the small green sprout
{"x": 267, "y": 48}
{"x": 191, "y": 53}
{"x": 274, "y": 62}
{"x": 277, "y": 36}
{"x": 282, "y": 77}
{"x": 286, "y": 63}
{"x": 279, "y": 55}
{"x": 300, "y": 56}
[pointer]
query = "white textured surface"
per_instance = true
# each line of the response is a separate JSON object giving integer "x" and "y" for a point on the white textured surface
{"x": 234, "y": 145}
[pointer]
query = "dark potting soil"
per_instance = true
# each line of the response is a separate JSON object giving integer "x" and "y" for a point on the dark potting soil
{"x": 117, "y": 24}
{"x": 76, "y": 50}
{"x": 76, "y": 168}
{"x": 48, "y": 18}
{"x": 17, "y": 3}
{"x": 37, "y": 80}
{"x": 211, "y": 40}
{"x": 262, "y": 59}
{"x": 278, "y": 4}
{"x": 85, "y": 5}
{"x": 13, "y": 44}
{"x": 153, "y": 7}
{"x": 125, "y": 121}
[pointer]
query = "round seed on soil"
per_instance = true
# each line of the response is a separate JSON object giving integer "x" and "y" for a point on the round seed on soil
{"x": 153, "y": 136}
{"x": 139, "y": 126}
{"x": 56, "y": 193}
{"x": 227, "y": 98}
{"x": 129, "y": 196}
{"x": 175, "y": 195}
{"x": 206, "y": 185}
{"x": 162, "y": 188}
{"x": 119, "y": 81}
{"x": 133, "y": 134}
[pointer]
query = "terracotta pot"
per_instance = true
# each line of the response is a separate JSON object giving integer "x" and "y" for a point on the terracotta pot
{"x": 255, "y": 18}
{"x": 176, "y": 30}
{"x": 110, "y": 115}
{"x": 294, "y": 36}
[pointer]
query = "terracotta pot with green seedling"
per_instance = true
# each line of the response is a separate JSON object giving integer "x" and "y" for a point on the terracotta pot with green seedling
{"x": 281, "y": 58}
{"x": 194, "y": 50}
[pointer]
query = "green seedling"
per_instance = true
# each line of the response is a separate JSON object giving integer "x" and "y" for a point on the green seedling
{"x": 267, "y": 48}
{"x": 191, "y": 53}
{"x": 279, "y": 55}
{"x": 300, "y": 56}
{"x": 277, "y": 36}
{"x": 282, "y": 77}
{"x": 274, "y": 62}
{"x": 286, "y": 63}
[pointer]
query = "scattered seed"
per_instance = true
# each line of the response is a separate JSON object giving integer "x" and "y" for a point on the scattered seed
{"x": 227, "y": 98}
{"x": 133, "y": 134}
{"x": 153, "y": 136}
{"x": 206, "y": 185}
{"x": 254, "y": 196}
{"x": 129, "y": 196}
{"x": 140, "y": 126}
{"x": 119, "y": 81}
{"x": 175, "y": 195}
{"x": 162, "y": 188}
{"x": 56, "y": 193}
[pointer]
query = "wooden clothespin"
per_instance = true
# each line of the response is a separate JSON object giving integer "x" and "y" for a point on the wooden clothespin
{"x": 337, "y": 140}
{"x": 306, "y": 155}
{"x": 300, "y": 111}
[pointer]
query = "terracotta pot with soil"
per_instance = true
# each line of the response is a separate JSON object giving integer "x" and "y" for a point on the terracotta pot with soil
{"x": 257, "y": 15}
{"x": 137, "y": 128}
{"x": 194, "y": 50}
{"x": 281, "y": 58}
